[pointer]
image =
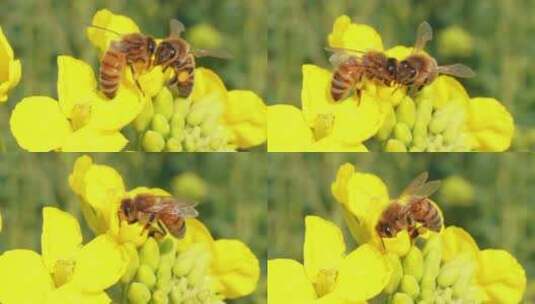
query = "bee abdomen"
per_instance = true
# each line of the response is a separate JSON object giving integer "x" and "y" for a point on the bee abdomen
{"x": 111, "y": 67}
{"x": 344, "y": 78}
{"x": 184, "y": 76}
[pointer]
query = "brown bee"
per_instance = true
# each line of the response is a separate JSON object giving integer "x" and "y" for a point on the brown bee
{"x": 350, "y": 70}
{"x": 420, "y": 69}
{"x": 134, "y": 50}
{"x": 176, "y": 53}
{"x": 412, "y": 209}
{"x": 148, "y": 209}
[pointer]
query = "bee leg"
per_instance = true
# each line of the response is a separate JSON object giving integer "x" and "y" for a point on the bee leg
{"x": 134, "y": 75}
{"x": 151, "y": 219}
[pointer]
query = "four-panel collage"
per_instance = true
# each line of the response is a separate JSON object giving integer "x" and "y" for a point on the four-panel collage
{"x": 300, "y": 89}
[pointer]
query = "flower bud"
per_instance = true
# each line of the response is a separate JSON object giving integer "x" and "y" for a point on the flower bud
{"x": 196, "y": 114}
{"x": 160, "y": 125}
{"x": 413, "y": 263}
{"x": 177, "y": 126}
{"x": 388, "y": 125}
{"x": 402, "y": 298}
{"x": 153, "y": 141}
{"x": 138, "y": 293}
{"x": 164, "y": 103}
{"x": 145, "y": 274}
{"x": 184, "y": 264}
{"x": 449, "y": 274}
{"x": 133, "y": 263}
{"x": 144, "y": 118}
{"x": 159, "y": 297}
{"x": 397, "y": 273}
{"x": 173, "y": 145}
{"x": 403, "y": 133}
{"x": 394, "y": 145}
{"x": 190, "y": 186}
{"x": 150, "y": 253}
{"x": 406, "y": 112}
{"x": 409, "y": 285}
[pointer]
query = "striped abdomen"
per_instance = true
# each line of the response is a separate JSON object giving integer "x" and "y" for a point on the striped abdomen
{"x": 426, "y": 213}
{"x": 344, "y": 78}
{"x": 111, "y": 69}
{"x": 184, "y": 77}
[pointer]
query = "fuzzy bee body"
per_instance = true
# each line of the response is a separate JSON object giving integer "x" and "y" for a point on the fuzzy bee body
{"x": 345, "y": 77}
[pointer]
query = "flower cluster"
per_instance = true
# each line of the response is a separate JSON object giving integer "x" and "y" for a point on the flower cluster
{"x": 442, "y": 117}
{"x": 83, "y": 119}
{"x": 10, "y": 68}
{"x": 195, "y": 269}
{"x": 439, "y": 267}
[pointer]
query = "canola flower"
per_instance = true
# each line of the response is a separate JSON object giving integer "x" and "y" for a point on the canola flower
{"x": 445, "y": 267}
{"x": 10, "y": 68}
{"x": 442, "y": 117}
{"x": 328, "y": 274}
{"x": 212, "y": 118}
{"x": 195, "y": 269}
{"x": 66, "y": 271}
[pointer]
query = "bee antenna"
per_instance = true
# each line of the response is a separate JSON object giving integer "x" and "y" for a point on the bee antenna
{"x": 106, "y": 29}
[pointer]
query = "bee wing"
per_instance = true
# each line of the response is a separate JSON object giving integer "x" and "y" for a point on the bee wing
{"x": 457, "y": 70}
{"x": 176, "y": 27}
{"x": 188, "y": 212}
{"x": 424, "y": 34}
{"x": 345, "y": 50}
{"x": 427, "y": 189}
{"x": 415, "y": 184}
{"x": 221, "y": 54}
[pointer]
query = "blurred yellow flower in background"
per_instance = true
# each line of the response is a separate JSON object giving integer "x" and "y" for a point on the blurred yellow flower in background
{"x": 455, "y": 41}
{"x": 457, "y": 191}
{"x": 66, "y": 271}
{"x": 81, "y": 120}
{"x": 328, "y": 274}
{"x": 10, "y": 68}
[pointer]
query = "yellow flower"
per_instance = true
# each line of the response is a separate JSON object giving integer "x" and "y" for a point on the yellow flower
{"x": 82, "y": 119}
{"x": 364, "y": 197}
{"x": 328, "y": 274}
{"x": 66, "y": 271}
{"x": 498, "y": 274}
{"x": 442, "y": 117}
{"x": 211, "y": 119}
{"x": 10, "y": 69}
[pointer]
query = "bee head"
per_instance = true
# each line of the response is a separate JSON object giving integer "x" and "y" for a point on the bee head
{"x": 391, "y": 67}
{"x": 407, "y": 70}
{"x": 385, "y": 229}
{"x": 166, "y": 53}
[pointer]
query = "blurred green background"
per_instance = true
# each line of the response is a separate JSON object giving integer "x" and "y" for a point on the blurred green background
{"x": 489, "y": 195}
{"x": 40, "y": 30}
{"x": 233, "y": 205}
{"x": 494, "y": 37}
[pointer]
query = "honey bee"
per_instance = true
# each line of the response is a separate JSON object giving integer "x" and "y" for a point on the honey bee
{"x": 134, "y": 50}
{"x": 149, "y": 209}
{"x": 350, "y": 70}
{"x": 411, "y": 210}
{"x": 176, "y": 53}
{"x": 420, "y": 69}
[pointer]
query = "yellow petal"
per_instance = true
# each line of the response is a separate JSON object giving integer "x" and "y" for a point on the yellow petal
{"x": 19, "y": 271}
{"x": 114, "y": 114}
{"x": 77, "y": 176}
{"x": 152, "y": 81}
{"x": 196, "y": 232}
{"x": 245, "y": 114}
{"x": 209, "y": 85}
{"x": 315, "y": 93}
{"x": 288, "y": 283}
{"x": 399, "y": 52}
{"x": 399, "y": 245}
{"x": 354, "y": 36}
{"x": 91, "y": 140}
{"x": 76, "y": 84}
{"x": 490, "y": 125}
{"x": 14, "y": 74}
{"x": 68, "y": 294}
{"x": 287, "y": 130}
{"x": 363, "y": 274}
{"x": 331, "y": 144}
{"x": 38, "y": 124}
{"x": 116, "y": 23}
{"x": 104, "y": 189}
{"x": 444, "y": 90}
{"x": 503, "y": 279}
{"x": 61, "y": 237}
{"x": 456, "y": 241}
{"x": 99, "y": 265}
{"x": 324, "y": 246}
{"x": 339, "y": 186}
{"x": 236, "y": 268}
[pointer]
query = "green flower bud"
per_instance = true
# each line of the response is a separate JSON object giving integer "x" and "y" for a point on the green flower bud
{"x": 409, "y": 285}
{"x": 183, "y": 264}
{"x": 440, "y": 121}
{"x": 413, "y": 263}
{"x": 160, "y": 125}
{"x": 168, "y": 248}
{"x": 403, "y": 133}
{"x": 153, "y": 141}
{"x": 406, "y": 112}
{"x": 388, "y": 125}
{"x": 402, "y": 298}
{"x": 394, "y": 145}
{"x": 197, "y": 114}
{"x": 463, "y": 282}
{"x": 176, "y": 295}
{"x": 190, "y": 186}
{"x": 209, "y": 126}
{"x": 145, "y": 274}
{"x": 182, "y": 106}
{"x": 133, "y": 264}
{"x": 150, "y": 253}
{"x": 138, "y": 293}
{"x": 177, "y": 126}
{"x": 164, "y": 277}
{"x": 190, "y": 143}
{"x": 173, "y": 145}
{"x": 164, "y": 103}
{"x": 159, "y": 297}
{"x": 423, "y": 117}
{"x": 397, "y": 273}
{"x": 144, "y": 118}
{"x": 449, "y": 274}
